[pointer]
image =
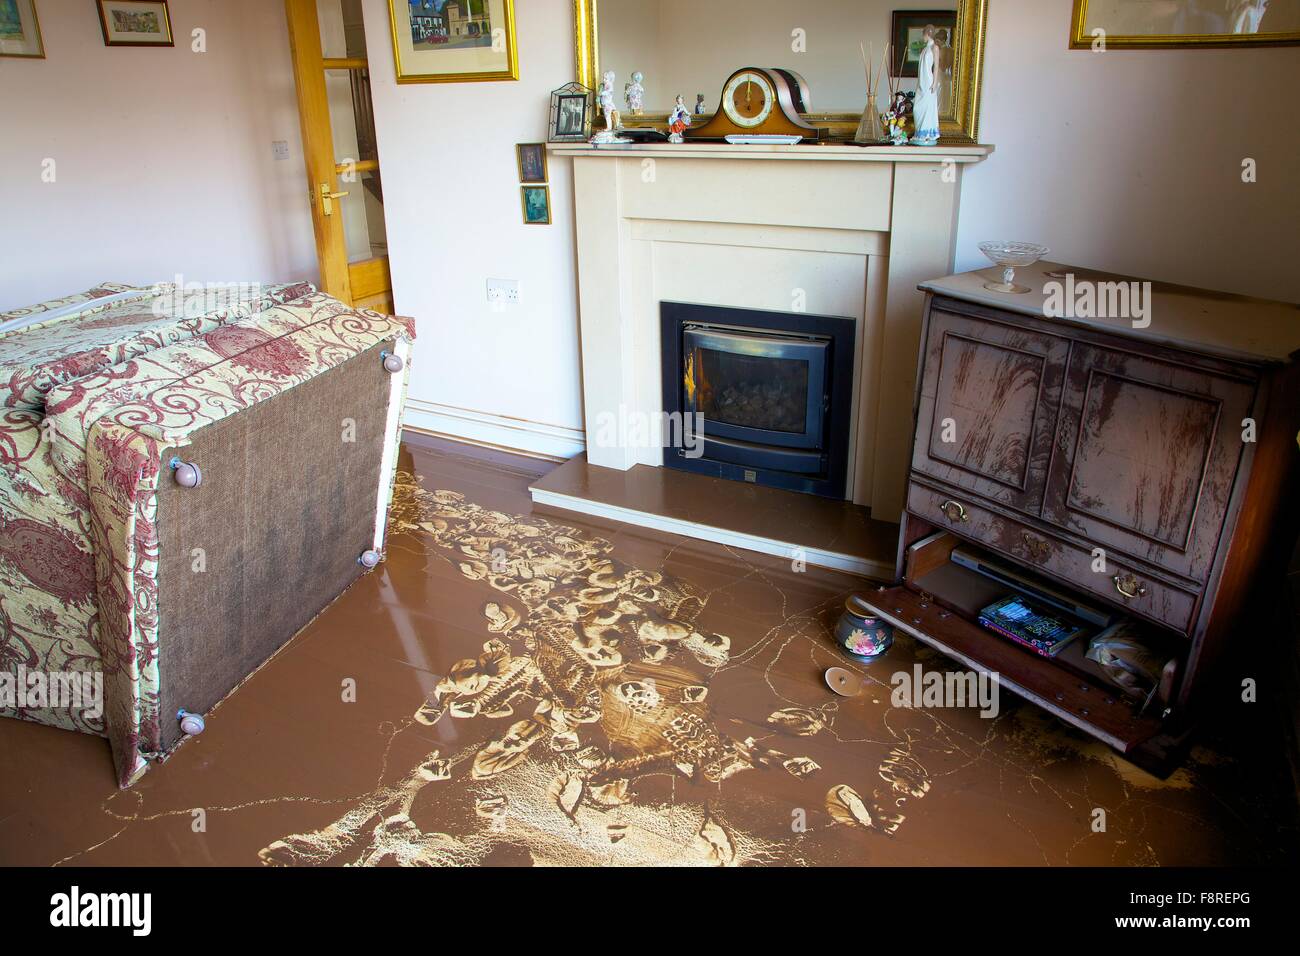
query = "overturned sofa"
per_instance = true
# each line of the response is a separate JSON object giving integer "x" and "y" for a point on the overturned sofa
{"x": 186, "y": 480}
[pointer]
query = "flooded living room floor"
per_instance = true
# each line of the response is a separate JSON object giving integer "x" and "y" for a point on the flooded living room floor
{"x": 519, "y": 687}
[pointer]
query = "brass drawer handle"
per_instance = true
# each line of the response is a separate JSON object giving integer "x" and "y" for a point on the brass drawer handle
{"x": 1129, "y": 586}
{"x": 954, "y": 511}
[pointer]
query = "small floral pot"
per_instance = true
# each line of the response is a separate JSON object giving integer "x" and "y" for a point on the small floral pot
{"x": 861, "y": 634}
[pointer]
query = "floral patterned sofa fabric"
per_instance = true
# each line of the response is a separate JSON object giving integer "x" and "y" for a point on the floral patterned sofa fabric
{"x": 78, "y": 485}
{"x": 35, "y": 358}
{"x": 48, "y": 603}
{"x": 48, "y": 308}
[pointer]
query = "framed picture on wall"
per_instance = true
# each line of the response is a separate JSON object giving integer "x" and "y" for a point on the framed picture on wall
{"x": 908, "y": 36}
{"x": 135, "y": 23}
{"x": 532, "y": 162}
{"x": 537, "y": 205}
{"x": 1141, "y": 24}
{"x": 20, "y": 31}
{"x": 570, "y": 114}
{"x": 453, "y": 41}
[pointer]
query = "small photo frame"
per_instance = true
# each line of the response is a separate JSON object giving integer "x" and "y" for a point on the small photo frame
{"x": 537, "y": 205}
{"x": 532, "y": 162}
{"x": 571, "y": 114}
{"x": 20, "y": 31}
{"x": 134, "y": 22}
{"x": 909, "y": 36}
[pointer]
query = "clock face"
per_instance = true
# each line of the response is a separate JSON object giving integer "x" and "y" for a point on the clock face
{"x": 748, "y": 99}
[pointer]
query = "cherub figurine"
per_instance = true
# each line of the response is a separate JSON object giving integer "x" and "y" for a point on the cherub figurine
{"x": 634, "y": 93}
{"x": 606, "y": 97}
{"x": 678, "y": 120}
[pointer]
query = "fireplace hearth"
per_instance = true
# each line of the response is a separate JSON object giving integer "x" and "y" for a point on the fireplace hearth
{"x": 769, "y": 394}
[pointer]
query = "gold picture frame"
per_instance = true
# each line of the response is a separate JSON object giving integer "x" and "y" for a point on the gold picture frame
{"x": 33, "y": 47}
{"x": 114, "y": 34}
{"x": 960, "y": 127}
{"x": 531, "y": 218}
{"x": 1081, "y": 37}
{"x": 449, "y": 56}
{"x": 531, "y": 158}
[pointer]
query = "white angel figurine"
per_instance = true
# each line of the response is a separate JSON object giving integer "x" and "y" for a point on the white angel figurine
{"x": 634, "y": 93}
{"x": 925, "y": 108}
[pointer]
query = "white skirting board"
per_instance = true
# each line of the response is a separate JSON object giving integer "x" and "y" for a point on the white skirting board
{"x": 483, "y": 428}
{"x": 876, "y": 570}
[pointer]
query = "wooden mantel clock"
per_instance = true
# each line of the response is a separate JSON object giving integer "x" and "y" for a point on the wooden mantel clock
{"x": 760, "y": 101}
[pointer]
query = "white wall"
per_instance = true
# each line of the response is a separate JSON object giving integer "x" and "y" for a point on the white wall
{"x": 163, "y": 156}
{"x": 1130, "y": 160}
{"x": 453, "y": 211}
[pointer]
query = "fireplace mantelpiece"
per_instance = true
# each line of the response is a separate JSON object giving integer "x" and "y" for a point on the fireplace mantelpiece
{"x": 830, "y": 230}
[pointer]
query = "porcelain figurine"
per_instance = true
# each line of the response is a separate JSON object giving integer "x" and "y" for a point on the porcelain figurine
{"x": 895, "y": 119}
{"x": 634, "y": 93}
{"x": 925, "y": 109}
{"x": 699, "y": 104}
{"x": 678, "y": 120}
{"x": 605, "y": 97}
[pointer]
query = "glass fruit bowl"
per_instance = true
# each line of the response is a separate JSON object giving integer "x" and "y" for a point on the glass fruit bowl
{"x": 1010, "y": 256}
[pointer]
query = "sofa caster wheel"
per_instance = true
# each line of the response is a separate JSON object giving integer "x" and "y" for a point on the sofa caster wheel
{"x": 369, "y": 559}
{"x": 186, "y": 474}
{"x": 191, "y": 724}
{"x": 392, "y": 363}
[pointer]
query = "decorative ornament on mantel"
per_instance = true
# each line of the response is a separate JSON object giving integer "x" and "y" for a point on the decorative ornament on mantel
{"x": 678, "y": 121}
{"x": 869, "y": 131}
{"x": 761, "y": 102}
{"x": 634, "y": 93}
{"x": 925, "y": 108}
{"x": 605, "y": 97}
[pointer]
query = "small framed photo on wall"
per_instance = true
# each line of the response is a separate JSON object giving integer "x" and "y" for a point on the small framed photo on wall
{"x": 532, "y": 162}
{"x": 135, "y": 22}
{"x": 537, "y": 205}
{"x": 20, "y": 31}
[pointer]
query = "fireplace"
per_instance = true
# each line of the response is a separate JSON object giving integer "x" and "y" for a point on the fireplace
{"x": 769, "y": 395}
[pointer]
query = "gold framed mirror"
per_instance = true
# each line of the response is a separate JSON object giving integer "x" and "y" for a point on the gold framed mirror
{"x": 700, "y": 45}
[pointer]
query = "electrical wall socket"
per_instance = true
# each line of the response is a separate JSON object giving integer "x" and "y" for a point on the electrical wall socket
{"x": 502, "y": 293}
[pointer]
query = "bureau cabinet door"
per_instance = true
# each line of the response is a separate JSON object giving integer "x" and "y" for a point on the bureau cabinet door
{"x": 987, "y": 408}
{"x": 1146, "y": 457}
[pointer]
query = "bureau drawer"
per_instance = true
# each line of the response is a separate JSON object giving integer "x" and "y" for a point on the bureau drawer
{"x": 1120, "y": 584}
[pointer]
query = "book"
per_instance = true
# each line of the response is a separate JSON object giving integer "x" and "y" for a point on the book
{"x": 1022, "y": 620}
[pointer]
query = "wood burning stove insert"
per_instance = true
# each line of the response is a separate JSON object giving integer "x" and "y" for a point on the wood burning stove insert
{"x": 768, "y": 394}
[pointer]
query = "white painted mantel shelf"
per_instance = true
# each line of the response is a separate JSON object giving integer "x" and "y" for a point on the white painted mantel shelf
{"x": 833, "y": 230}
{"x": 972, "y": 153}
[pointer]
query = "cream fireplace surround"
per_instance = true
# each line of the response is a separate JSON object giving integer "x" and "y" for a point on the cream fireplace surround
{"x": 828, "y": 230}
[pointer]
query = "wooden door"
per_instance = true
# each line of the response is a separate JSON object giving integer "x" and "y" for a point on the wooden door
{"x": 343, "y": 190}
{"x": 987, "y": 407}
{"x": 1146, "y": 456}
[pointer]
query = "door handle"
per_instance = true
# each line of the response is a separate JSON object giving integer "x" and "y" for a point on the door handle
{"x": 327, "y": 199}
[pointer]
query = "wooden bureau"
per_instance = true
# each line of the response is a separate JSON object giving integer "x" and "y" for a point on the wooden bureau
{"x": 1109, "y": 460}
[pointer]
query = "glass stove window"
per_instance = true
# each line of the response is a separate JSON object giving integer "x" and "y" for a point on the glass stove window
{"x": 751, "y": 391}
